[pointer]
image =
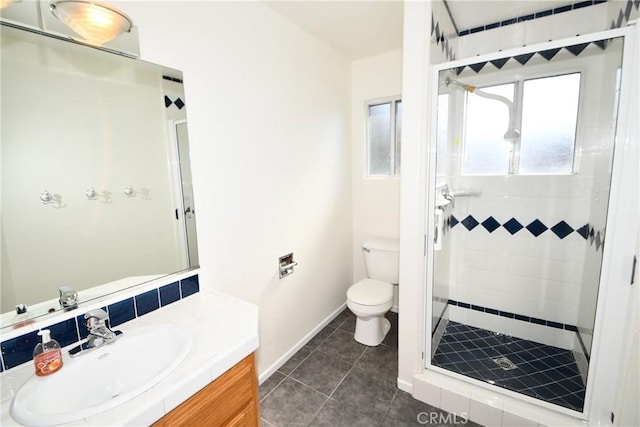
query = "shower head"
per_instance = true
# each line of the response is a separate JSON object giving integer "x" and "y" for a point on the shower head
{"x": 512, "y": 134}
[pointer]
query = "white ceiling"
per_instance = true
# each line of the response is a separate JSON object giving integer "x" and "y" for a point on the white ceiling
{"x": 363, "y": 28}
{"x": 358, "y": 29}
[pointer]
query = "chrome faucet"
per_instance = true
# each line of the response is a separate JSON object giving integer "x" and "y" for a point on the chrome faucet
{"x": 99, "y": 333}
{"x": 68, "y": 298}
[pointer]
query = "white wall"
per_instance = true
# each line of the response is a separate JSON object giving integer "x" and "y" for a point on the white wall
{"x": 376, "y": 201}
{"x": 268, "y": 109}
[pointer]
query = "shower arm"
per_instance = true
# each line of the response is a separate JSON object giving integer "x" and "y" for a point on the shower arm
{"x": 512, "y": 133}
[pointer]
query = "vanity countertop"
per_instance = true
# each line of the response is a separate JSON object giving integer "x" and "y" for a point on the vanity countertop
{"x": 224, "y": 330}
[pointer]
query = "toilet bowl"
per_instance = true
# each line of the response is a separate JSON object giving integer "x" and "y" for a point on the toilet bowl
{"x": 369, "y": 300}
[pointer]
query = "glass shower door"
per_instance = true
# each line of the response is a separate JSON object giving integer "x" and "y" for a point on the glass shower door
{"x": 523, "y": 165}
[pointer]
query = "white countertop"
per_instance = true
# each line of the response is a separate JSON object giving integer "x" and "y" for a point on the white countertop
{"x": 224, "y": 331}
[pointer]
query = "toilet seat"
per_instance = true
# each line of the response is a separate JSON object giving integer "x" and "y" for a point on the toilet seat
{"x": 370, "y": 292}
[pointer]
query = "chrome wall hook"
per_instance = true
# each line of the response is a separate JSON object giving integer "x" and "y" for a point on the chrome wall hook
{"x": 129, "y": 191}
{"x": 46, "y": 197}
{"x": 91, "y": 194}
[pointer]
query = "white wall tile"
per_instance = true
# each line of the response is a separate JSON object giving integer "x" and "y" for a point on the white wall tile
{"x": 485, "y": 414}
{"x": 512, "y": 420}
{"x": 454, "y": 403}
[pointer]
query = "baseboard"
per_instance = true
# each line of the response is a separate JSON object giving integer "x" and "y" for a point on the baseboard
{"x": 282, "y": 360}
{"x": 405, "y": 385}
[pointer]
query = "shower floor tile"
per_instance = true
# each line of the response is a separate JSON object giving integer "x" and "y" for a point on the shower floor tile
{"x": 541, "y": 371}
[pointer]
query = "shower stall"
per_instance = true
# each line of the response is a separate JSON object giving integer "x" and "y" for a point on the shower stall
{"x": 522, "y": 159}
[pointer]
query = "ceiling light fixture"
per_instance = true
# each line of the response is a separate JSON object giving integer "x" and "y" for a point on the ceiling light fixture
{"x": 95, "y": 22}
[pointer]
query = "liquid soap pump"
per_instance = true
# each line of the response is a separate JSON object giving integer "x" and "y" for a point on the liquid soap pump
{"x": 47, "y": 356}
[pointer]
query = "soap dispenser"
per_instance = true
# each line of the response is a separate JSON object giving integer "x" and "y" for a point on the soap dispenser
{"x": 47, "y": 356}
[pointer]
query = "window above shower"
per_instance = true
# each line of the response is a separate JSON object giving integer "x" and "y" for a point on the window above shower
{"x": 545, "y": 111}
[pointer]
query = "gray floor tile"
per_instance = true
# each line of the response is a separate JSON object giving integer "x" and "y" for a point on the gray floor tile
{"x": 295, "y": 360}
{"x": 365, "y": 393}
{"x": 391, "y": 340}
{"x": 349, "y": 325}
{"x": 291, "y": 403}
{"x": 340, "y": 318}
{"x": 320, "y": 337}
{"x": 381, "y": 361}
{"x": 271, "y": 383}
{"x": 342, "y": 344}
{"x": 334, "y": 414}
{"x": 321, "y": 371}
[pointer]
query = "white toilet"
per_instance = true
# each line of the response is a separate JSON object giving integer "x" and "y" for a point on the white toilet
{"x": 369, "y": 299}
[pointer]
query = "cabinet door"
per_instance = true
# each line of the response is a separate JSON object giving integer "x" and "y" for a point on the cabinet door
{"x": 230, "y": 400}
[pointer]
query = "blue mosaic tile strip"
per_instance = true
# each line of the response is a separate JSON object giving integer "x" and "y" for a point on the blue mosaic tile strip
{"x": 535, "y": 227}
{"x": 19, "y": 350}
{"x": 536, "y": 15}
{"x": 529, "y": 319}
{"x": 538, "y": 370}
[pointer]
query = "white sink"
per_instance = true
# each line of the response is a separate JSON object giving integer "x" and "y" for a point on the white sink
{"x": 103, "y": 378}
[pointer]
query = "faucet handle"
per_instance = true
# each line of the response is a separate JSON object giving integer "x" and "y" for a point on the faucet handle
{"x": 96, "y": 318}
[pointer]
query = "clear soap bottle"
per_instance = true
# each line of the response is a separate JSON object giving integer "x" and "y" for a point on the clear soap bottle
{"x": 47, "y": 356}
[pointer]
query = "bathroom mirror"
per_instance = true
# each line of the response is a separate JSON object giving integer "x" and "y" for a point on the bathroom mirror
{"x": 95, "y": 185}
{"x": 523, "y": 164}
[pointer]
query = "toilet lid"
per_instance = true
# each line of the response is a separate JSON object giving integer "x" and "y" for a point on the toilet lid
{"x": 370, "y": 292}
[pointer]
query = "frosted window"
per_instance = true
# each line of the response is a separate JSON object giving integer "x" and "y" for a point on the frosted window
{"x": 384, "y": 135}
{"x": 379, "y": 139}
{"x": 549, "y": 114}
{"x": 486, "y": 151}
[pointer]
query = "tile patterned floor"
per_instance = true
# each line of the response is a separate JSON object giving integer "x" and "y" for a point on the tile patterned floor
{"x": 542, "y": 371}
{"x": 335, "y": 381}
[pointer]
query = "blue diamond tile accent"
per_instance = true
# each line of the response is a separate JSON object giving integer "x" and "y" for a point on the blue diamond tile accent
{"x": 592, "y": 234}
{"x": 537, "y": 227}
{"x": 583, "y": 231}
{"x": 562, "y": 229}
{"x": 490, "y": 224}
{"x": 512, "y": 226}
{"x": 598, "y": 241}
{"x": 470, "y": 223}
{"x": 453, "y": 221}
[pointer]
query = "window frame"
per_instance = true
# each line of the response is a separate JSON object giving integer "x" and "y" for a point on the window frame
{"x": 394, "y": 164}
{"x": 518, "y": 80}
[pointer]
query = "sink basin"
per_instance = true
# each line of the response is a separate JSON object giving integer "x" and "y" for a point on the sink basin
{"x": 103, "y": 378}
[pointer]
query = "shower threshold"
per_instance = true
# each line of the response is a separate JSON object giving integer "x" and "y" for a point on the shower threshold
{"x": 537, "y": 370}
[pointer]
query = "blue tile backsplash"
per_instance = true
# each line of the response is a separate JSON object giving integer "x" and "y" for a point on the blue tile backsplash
{"x": 19, "y": 350}
{"x": 169, "y": 293}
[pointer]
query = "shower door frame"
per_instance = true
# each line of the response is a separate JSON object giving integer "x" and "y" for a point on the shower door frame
{"x": 615, "y": 224}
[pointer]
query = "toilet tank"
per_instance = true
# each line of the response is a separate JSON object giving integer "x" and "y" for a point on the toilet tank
{"x": 381, "y": 259}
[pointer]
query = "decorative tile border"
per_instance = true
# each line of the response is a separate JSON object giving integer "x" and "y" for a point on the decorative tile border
{"x": 532, "y": 16}
{"x": 535, "y": 227}
{"x": 19, "y": 350}
{"x": 439, "y": 39}
{"x": 548, "y": 54}
{"x": 521, "y": 317}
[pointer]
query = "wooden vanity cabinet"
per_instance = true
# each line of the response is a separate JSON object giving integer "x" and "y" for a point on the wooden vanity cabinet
{"x": 230, "y": 400}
